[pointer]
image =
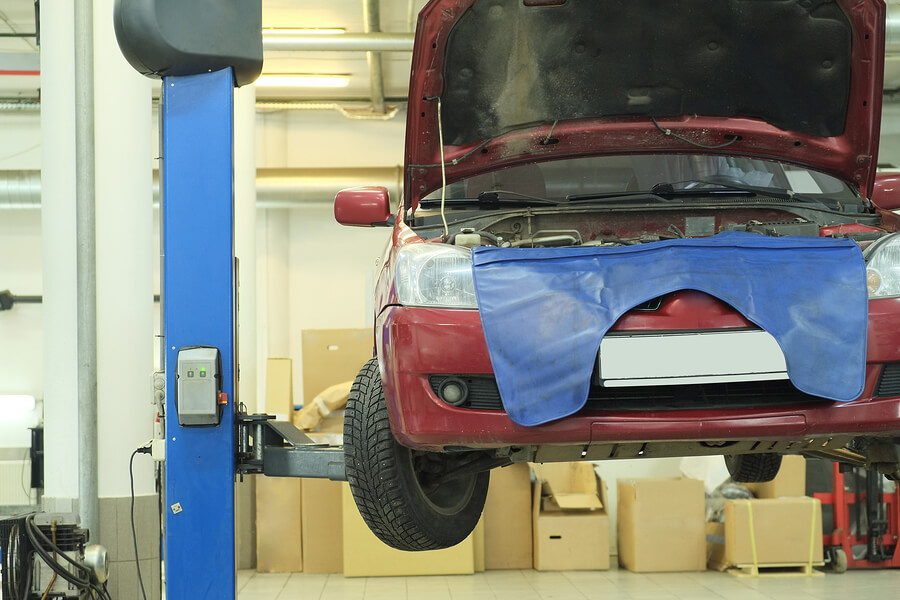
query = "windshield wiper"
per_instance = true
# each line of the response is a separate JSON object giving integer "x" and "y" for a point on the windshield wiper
{"x": 494, "y": 196}
{"x": 722, "y": 188}
{"x": 650, "y": 196}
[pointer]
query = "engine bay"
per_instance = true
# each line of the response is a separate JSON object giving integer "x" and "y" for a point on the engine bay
{"x": 535, "y": 228}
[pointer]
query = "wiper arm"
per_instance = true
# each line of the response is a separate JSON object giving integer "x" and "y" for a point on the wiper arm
{"x": 650, "y": 196}
{"x": 494, "y": 196}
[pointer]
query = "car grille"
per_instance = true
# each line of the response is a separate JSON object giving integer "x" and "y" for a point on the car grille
{"x": 889, "y": 382}
{"x": 484, "y": 395}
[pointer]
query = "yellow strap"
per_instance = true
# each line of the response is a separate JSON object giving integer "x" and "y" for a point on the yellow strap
{"x": 752, "y": 537}
{"x": 812, "y": 533}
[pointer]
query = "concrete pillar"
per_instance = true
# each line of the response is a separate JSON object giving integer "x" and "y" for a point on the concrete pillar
{"x": 58, "y": 244}
{"x": 123, "y": 171}
{"x": 245, "y": 250}
{"x": 124, "y": 287}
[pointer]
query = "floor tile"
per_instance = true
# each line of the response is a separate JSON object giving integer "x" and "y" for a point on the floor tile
{"x": 569, "y": 585}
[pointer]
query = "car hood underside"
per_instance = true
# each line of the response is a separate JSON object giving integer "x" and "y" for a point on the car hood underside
{"x": 794, "y": 80}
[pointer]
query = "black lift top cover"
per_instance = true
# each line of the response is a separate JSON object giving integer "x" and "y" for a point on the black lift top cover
{"x": 188, "y": 37}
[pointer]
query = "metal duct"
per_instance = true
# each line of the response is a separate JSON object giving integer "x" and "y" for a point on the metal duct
{"x": 339, "y": 42}
{"x": 351, "y": 110}
{"x": 275, "y": 188}
{"x": 372, "y": 24}
{"x": 892, "y": 30}
{"x": 20, "y": 189}
{"x": 20, "y": 106}
{"x": 288, "y": 188}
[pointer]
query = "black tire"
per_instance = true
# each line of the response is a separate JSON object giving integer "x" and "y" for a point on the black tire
{"x": 753, "y": 468}
{"x": 387, "y": 479}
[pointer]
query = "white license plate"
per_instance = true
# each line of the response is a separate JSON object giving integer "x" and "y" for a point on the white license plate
{"x": 691, "y": 357}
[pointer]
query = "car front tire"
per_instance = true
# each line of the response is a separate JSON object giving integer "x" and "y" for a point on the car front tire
{"x": 400, "y": 492}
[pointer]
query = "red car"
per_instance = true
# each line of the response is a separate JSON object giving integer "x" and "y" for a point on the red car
{"x": 629, "y": 229}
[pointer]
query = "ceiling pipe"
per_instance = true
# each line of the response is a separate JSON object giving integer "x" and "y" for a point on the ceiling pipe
{"x": 372, "y": 24}
{"x": 356, "y": 111}
{"x": 892, "y": 30}
{"x": 20, "y": 106}
{"x": 275, "y": 188}
{"x": 338, "y": 42}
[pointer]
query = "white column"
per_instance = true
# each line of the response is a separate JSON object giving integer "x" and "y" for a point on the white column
{"x": 123, "y": 128}
{"x": 58, "y": 243}
{"x": 245, "y": 239}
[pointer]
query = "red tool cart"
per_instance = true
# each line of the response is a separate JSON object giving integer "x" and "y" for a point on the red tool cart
{"x": 877, "y": 518}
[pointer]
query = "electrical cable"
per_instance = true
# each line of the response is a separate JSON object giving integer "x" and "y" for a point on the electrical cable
{"x": 137, "y": 563}
{"x": 52, "y": 579}
{"x": 443, "y": 171}
{"x": 670, "y": 133}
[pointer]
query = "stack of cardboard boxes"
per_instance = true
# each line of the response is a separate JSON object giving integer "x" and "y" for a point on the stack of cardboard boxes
{"x": 782, "y": 527}
{"x": 570, "y": 523}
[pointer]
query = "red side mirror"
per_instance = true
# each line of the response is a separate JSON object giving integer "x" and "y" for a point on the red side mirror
{"x": 367, "y": 206}
{"x": 886, "y": 191}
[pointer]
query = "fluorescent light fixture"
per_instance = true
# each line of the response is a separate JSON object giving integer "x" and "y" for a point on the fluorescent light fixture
{"x": 296, "y": 80}
{"x": 303, "y": 30}
{"x": 16, "y": 405}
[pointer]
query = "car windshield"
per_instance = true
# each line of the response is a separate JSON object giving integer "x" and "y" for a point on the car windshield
{"x": 612, "y": 177}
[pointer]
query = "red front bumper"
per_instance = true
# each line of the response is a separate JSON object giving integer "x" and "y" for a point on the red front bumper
{"x": 414, "y": 343}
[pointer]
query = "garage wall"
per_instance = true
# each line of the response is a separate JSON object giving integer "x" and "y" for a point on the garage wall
{"x": 312, "y": 272}
{"x": 21, "y": 337}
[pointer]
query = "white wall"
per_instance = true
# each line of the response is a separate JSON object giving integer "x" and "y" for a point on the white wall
{"x": 312, "y": 272}
{"x": 21, "y": 344}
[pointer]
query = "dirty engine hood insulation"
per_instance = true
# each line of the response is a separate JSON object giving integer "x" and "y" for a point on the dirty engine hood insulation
{"x": 545, "y": 310}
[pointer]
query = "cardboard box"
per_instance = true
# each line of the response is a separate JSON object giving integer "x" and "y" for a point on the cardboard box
{"x": 790, "y": 481}
{"x": 367, "y": 556}
{"x": 323, "y": 549}
{"x": 767, "y": 533}
{"x": 279, "y": 546}
{"x": 279, "y": 386}
{"x": 507, "y": 519}
{"x": 478, "y": 546}
{"x": 331, "y": 356}
{"x": 570, "y": 524}
{"x": 662, "y": 525}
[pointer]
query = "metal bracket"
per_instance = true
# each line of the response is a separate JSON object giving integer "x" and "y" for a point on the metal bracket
{"x": 278, "y": 449}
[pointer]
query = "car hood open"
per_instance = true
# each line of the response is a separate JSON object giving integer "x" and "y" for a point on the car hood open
{"x": 515, "y": 81}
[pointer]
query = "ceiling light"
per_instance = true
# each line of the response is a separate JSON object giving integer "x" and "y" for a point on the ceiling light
{"x": 294, "y": 80}
{"x": 303, "y": 30}
{"x": 16, "y": 405}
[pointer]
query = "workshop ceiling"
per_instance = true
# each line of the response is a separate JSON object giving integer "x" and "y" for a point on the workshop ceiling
{"x": 397, "y": 16}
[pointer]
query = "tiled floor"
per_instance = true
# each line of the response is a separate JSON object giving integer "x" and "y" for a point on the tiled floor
{"x": 572, "y": 585}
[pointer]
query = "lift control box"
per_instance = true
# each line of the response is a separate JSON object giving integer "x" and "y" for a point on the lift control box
{"x": 198, "y": 383}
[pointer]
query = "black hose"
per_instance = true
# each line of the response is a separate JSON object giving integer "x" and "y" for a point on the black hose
{"x": 30, "y": 528}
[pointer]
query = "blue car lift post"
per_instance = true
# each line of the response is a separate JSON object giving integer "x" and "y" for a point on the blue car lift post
{"x": 199, "y": 271}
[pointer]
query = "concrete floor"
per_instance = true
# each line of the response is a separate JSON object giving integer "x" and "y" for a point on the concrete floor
{"x": 572, "y": 585}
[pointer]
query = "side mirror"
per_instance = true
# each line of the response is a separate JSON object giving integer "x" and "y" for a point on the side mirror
{"x": 367, "y": 206}
{"x": 886, "y": 191}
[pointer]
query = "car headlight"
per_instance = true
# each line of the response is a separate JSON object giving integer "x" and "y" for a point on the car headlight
{"x": 883, "y": 267}
{"x": 435, "y": 275}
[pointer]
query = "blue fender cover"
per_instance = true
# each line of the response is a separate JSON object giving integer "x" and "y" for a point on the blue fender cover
{"x": 545, "y": 310}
